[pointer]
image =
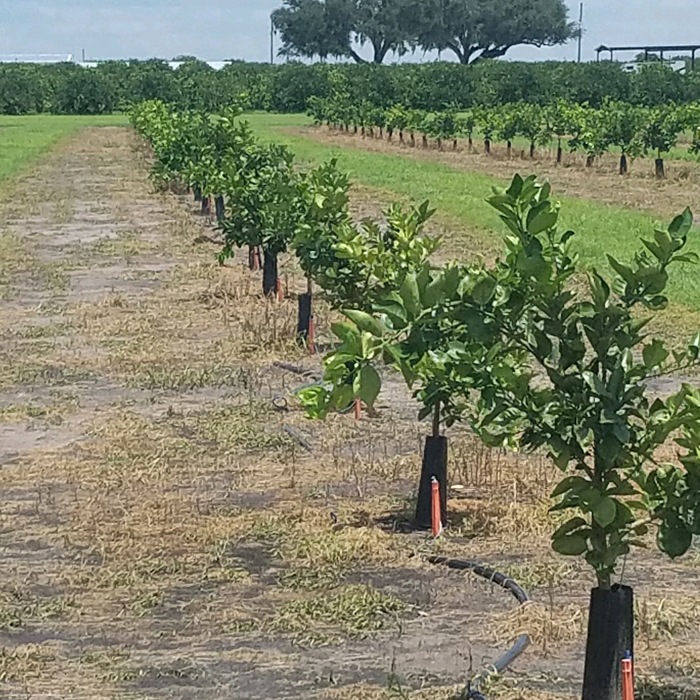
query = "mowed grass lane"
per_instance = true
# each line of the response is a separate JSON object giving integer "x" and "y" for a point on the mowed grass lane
{"x": 26, "y": 138}
{"x": 458, "y": 193}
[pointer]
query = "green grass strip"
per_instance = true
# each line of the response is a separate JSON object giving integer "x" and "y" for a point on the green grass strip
{"x": 25, "y": 139}
{"x": 601, "y": 228}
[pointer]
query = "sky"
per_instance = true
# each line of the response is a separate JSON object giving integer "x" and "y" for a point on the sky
{"x": 225, "y": 29}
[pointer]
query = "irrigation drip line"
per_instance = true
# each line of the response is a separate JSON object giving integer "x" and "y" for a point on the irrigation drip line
{"x": 473, "y": 689}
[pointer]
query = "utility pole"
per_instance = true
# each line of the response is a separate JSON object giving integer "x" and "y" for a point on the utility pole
{"x": 580, "y": 32}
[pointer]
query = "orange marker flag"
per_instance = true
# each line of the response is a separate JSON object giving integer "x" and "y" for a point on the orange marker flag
{"x": 627, "y": 678}
{"x": 358, "y": 409}
{"x": 436, "y": 509}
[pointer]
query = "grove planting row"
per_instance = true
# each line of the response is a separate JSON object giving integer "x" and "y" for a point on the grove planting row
{"x": 633, "y": 131}
{"x": 533, "y": 352}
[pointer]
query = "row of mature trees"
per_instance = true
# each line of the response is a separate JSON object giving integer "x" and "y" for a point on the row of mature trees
{"x": 632, "y": 130}
{"x": 533, "y": 352}
{"x": 115, "y": 86}
{"x": 471, "y": 29}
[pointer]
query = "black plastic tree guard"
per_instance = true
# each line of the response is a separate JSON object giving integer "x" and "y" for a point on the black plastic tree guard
{"x": 197, "y": 192}
{"x": 610, "y": 638}
{"x": 220, "y": 207}
{"x": 269, "y": 274}
{"x": 434, "y": 465}
{"x": 304, "y": 323}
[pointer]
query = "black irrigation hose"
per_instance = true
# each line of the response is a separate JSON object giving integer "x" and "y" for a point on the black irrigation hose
{"x": 473, "y": 691}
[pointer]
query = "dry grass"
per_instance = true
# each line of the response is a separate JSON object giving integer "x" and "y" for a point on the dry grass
{"x": 174, "y": 536}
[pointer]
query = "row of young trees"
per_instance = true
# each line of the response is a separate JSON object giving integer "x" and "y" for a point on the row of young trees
{"x": 67, "y": 88}
{"x": 634, "y": 130}
{"x": 525, "y": 352}
{"x": 264, "y": 202}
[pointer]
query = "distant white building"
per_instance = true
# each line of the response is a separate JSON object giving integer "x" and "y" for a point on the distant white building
{"x": 37, "y": 58}
{"x": 68, "y": 58}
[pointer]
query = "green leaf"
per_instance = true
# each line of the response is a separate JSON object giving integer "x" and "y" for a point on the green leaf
{"x": 410, "y": 295}
{"x": 654, "y": 354}
{"x": 570, "y": 483}
{"x": 568, "y": 527}
{"x": 623, "y": 270}
{"x": 348, "y": 333}
{"x": 681, "y": 225}
{"x": 370, "y": 385}
{"x": 674, "y": 539}
{"x": 484, "y": 290}
{"x": 543, "y": 222}
{"x": 570, "y": 545}
{"x": 365, "y": 322}
{"x": 605, "y": 511}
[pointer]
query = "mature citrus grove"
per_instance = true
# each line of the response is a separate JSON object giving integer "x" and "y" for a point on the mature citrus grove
{"x": 173, "y": 524}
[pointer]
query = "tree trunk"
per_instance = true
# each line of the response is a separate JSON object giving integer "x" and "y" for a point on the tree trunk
{"x": 623, "y": 164}
{"x": 270, "y": 274}
{"x": 560, "y": 153}
{"x": 413, "y": 140}
{"x": 401, "y": 141}
{"x": 610, "y": 639}
{"x": 589, "y": 161}
{"x": 532, "y": 150}
{"x": 206, "y": 206}
{"x": 220, "y": 207}
{"x": 509, "y": 149}
{"x": 197, "y": 192}
{"x": 434, "y": 465}
{"x": 487, "y": 146}
{"x": 660, "y": 170}
{"x": 454, "y": 144}
{"x": 389, "y": 134}
{"x": 356, "y": 57}
{"x": 425, "y": 141}
{"x": 439, "y": 144}
{"x": 471, "y": 142}
{"x": 252, "y": 258}
{"x": 381, "y": 132}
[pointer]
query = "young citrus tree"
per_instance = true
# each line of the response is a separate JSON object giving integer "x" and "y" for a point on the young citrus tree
{"x": 533, "y": 125}
{"x": 660, "y": 134}
{"x": 565, "y": 120}
{"x": 534, "y": 363}
{"x": 265, "y": 204}
{"x": 624, "y": 124}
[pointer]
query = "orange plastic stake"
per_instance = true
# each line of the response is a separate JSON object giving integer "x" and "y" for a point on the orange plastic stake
{"x": 358, "y": 409}
{"x": 280, "y": 291}
{"x": 627, "y": 679}
{"x": 436, "y": 509}
{"x": 312, "y": 344}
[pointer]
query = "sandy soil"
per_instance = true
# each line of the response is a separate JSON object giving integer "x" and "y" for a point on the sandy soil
{"x": 162, "y": 536}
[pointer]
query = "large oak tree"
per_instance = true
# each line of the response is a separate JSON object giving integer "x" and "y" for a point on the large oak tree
{"x": 479, "y": 29}
{"x": 333, "y": 27}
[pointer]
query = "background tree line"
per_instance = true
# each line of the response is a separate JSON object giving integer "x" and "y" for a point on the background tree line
{"x": 115, "y": 86}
